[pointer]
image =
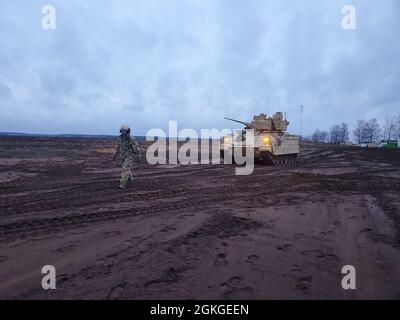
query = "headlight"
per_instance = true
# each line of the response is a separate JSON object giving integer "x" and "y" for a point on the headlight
{"x": 226, "y": 139}
{"x": 267, "y": 140}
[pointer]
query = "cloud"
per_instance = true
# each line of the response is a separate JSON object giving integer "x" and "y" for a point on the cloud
{"x": 145, "y": 62}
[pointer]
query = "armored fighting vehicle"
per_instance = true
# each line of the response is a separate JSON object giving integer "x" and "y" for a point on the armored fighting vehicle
{"x": 272, "y": 144}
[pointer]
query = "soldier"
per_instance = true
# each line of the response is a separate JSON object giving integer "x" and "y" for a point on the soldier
{"x": 127, "y": 150}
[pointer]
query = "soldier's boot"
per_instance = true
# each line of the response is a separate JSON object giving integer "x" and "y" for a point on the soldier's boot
{"x": 124, "y": 181}
{"x": 122, "y": 184}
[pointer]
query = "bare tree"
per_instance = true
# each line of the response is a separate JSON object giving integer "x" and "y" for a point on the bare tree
{"x": 343, "y": 133}
{"x": 359, "y": 131}
{"x": 335, "y": 134}
{"x": 367, "y": 130}
{"x": 397, "y": 133}
{"x": 373, "y": 130}
{"x": 390, "y": 128}
{"x": 339, "y": 133}
{"x": 316, "y": 136}
{"x": 324, "y": 136}
{"x": 319, "y": 136}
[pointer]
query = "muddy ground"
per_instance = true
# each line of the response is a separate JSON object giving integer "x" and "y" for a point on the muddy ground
{"x": 199, "y": 231}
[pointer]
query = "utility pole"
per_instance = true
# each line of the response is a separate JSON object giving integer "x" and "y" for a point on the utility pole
{"x": 301, "y": 122}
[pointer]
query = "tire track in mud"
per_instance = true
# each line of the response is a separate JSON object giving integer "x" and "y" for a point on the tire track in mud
{"x": 206, "y": 198}
{"x": 75, "y": 193}
{"x": 162, "y": 185}
{"x": 168, "y": 178}
{"x": 86, "y": 180}
{"x": 77, "y": 197}
{"x": 32, "y": 226}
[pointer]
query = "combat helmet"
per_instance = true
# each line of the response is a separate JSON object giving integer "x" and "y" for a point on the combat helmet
{"x": 125, "y": 128}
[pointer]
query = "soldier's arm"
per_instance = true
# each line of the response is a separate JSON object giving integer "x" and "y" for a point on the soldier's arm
{"x": 116, "y": 149}
{"x": 135, "y": 148}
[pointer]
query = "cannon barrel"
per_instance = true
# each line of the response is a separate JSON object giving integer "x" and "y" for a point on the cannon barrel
{"x": 242, "y": 122}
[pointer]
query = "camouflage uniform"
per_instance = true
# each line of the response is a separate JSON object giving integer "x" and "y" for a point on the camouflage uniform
{"x": 127, "y": 150}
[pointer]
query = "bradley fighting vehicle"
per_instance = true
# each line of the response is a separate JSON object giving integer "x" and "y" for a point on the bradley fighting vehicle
{"x": 271, "y": 142}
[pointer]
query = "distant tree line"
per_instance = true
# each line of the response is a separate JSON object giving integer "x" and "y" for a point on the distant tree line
{"x": 365, "y": 131}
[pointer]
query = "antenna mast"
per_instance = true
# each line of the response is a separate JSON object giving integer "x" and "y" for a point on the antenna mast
{"x": 301, "y": 122}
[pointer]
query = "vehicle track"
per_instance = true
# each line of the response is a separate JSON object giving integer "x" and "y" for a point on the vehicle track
{"x": 206, "y": 197}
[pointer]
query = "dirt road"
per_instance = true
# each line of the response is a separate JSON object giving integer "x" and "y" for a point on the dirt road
{"x": 199, "y": 231}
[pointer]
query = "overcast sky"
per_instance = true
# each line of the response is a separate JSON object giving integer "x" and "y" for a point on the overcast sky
{"x": 144, "y": 62}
